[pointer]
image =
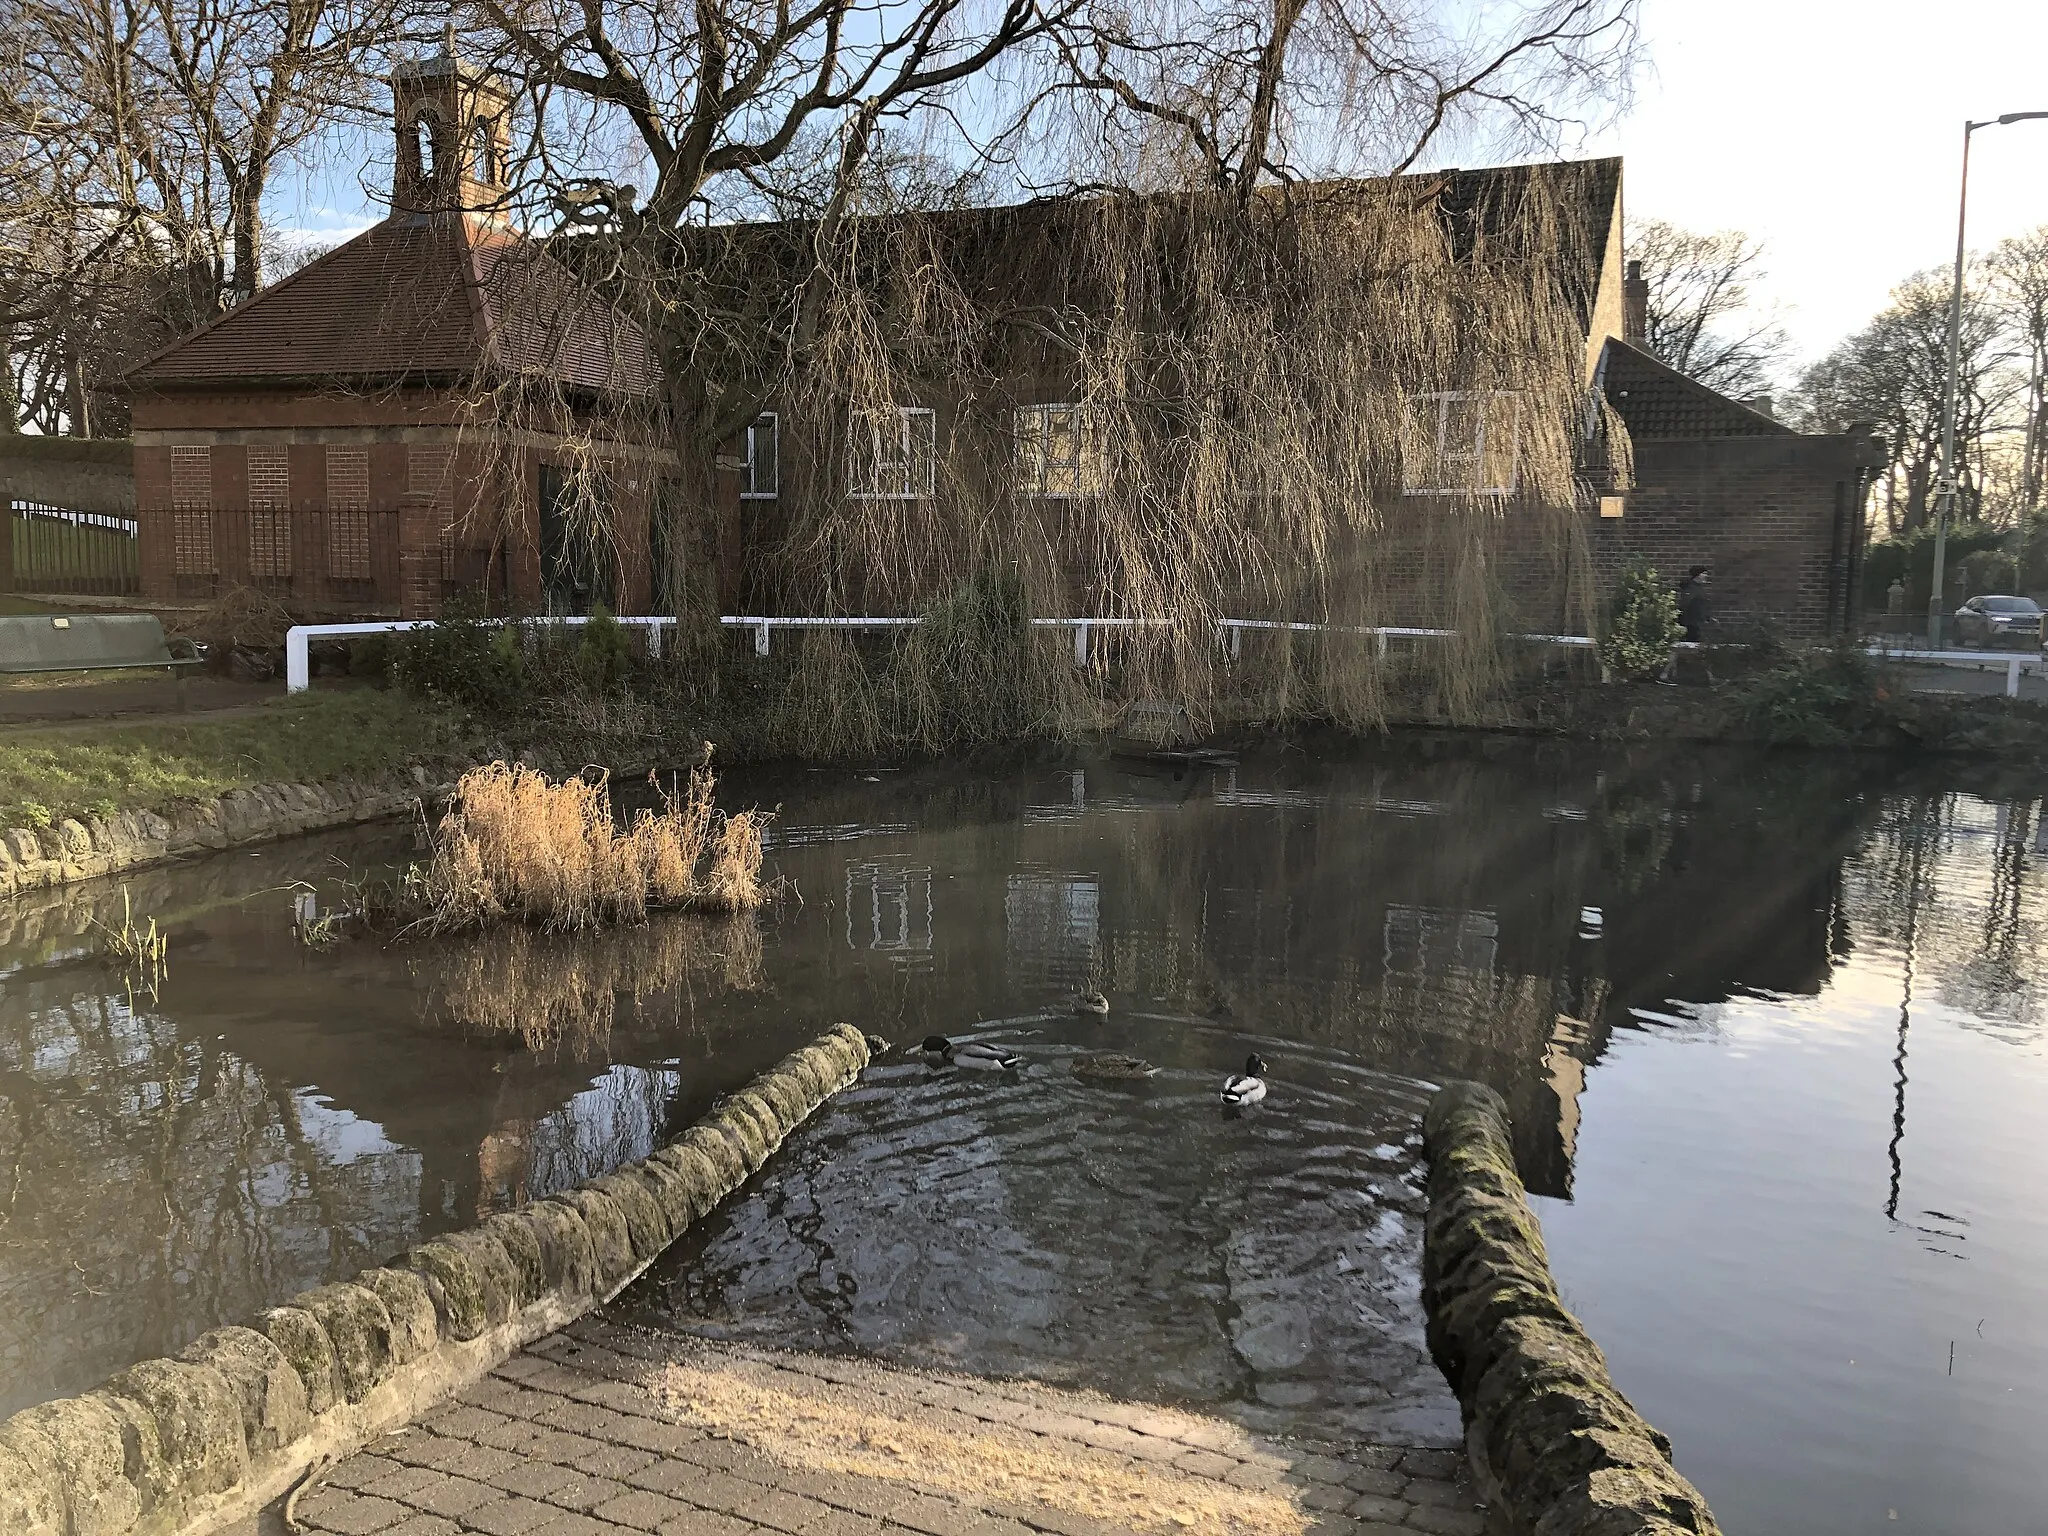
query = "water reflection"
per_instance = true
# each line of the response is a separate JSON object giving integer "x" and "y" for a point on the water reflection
{"x": 1372, "y": 921}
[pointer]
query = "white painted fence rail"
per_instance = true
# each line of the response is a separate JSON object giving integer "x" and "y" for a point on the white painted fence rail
{"x": 1230, "y": 632}
{"x": 2014, "y": 662}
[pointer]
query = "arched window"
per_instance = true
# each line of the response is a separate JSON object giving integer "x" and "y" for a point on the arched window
{"x": 426, "y": 132}
{"x": 483, "y": 153}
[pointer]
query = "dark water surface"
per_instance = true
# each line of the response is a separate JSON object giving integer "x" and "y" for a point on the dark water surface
{"x": 1770, "y": 1028}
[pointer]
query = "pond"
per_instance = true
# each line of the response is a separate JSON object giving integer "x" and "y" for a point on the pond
{"x": 1769, "y": 1026}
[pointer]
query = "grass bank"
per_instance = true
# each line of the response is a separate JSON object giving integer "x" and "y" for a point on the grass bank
{"x": 96, "y": 769}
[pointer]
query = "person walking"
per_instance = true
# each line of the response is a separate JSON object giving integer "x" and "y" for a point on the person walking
{"x": 1695, "y": 611}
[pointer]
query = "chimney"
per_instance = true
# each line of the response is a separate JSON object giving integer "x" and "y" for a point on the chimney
{"x": 1635, "y": 306}
{"x": 1762, "y": 404}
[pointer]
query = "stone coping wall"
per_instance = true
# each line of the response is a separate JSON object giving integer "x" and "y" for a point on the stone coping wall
{"x": 71, "y": 849}
{"x": 183, "y": 1446}
{"x": 1556, "y": 1447}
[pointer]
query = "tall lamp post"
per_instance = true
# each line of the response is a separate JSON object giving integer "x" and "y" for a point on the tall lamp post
{"x": 1945, "y": 487}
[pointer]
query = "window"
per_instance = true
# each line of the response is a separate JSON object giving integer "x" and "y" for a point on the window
{"x": 890, "y": 453}
{"x": 1059, "y": 451}
{"x": 1462, "y": 443}
{"x": 761, "y": 474}
{"x": 425, "y": 130}
{"x": 483, "y": 153}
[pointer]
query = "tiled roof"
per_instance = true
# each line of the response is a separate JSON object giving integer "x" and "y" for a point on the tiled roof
{"x": 439, "y": 298}
{"x": 1655, "y": 400}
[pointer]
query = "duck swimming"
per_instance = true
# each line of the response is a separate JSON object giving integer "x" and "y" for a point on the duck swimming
{"x": 1111, "y": 1067}
{"x": 1248, "y": 1086}
{"x": 1091, "y": 1002}
{"x": 940, "y": 1051}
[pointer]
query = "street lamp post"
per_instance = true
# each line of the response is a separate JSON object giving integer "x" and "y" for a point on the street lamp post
{"x": 1945, "y": 486}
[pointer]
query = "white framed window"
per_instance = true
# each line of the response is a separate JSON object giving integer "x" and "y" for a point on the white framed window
{"x": 1059, "y": 451}
{"x": 891, "y": 453}
{"x": 1462, "y": 443}
{"x": 761, "y": 473}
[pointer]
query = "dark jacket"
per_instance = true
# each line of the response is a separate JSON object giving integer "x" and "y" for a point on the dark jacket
{"x": 1693, "y": 608}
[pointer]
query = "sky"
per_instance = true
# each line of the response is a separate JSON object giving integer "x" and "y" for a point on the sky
{"x": 1833, "y": 132}
{"x": 1829, "y": 129}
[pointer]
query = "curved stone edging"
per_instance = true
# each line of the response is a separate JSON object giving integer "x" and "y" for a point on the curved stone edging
{"x": 1555, "y": 1445}
{"x": 179, "y": 1447}
{"x": 74, "y": 849}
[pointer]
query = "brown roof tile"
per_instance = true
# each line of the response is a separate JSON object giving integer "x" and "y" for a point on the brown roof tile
{"x": 1655, "y": 400}
{"x": 412, "y": 297}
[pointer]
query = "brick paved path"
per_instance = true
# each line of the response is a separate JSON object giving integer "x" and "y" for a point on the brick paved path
{"x": 604, "y": 1430}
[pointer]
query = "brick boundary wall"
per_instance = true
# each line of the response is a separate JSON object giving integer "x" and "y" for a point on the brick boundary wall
{"x": 183, "y": 1446}
{"x": 1553, "y": 1443}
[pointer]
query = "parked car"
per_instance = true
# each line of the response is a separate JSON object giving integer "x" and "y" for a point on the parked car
{"x": 1999, "y": 621}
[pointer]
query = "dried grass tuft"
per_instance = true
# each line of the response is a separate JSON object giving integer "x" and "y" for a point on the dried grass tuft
{"x": 519, "y": 846}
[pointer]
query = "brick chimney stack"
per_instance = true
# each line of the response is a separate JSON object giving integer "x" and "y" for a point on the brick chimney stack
{"x": 1635, "y": 305}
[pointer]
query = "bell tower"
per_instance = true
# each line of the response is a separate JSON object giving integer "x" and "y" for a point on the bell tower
{"x": 453, "y": 134}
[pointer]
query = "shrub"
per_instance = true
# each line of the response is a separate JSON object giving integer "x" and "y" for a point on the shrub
{"x": 463, "y": 660}
{"x": 1641, "y": 625}
{"x": 602, "y": 655}
{"x": 1837, "y": 700}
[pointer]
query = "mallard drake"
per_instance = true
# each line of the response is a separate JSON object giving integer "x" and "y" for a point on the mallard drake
{"x": 940, "y": 1051}
{"x": 1091, "y": 1002}
{"x": 1248, "y": 1086}
{"x": 1109, "y": 1066}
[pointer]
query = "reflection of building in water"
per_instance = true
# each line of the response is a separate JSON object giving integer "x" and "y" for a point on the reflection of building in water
{"x": 889, "y": 908}
{"x": 1052, "y": 921}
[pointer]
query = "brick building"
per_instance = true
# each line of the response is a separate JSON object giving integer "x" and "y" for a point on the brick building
{"x": 1778, "y": 514}
{"x": 435, "y": 406}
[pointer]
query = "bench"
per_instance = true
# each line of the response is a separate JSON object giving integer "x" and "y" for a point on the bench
{"x": 92, "y": 642}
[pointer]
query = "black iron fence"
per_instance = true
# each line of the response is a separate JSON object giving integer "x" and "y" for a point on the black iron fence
{"x": 85, "y": 554}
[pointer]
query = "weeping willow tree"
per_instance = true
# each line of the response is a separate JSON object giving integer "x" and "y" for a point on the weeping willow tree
{"x": 1197, "y": 379}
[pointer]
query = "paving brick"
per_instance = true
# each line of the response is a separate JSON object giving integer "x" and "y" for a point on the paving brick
{"x": 511, "y": 1517}
{"x": 351, "y": 1514}
{"x": 583, "y": 1492}
{"x": 1439, "y": 1464}
{"x": 567, "y": 1524}
{"x": 454, "y": 1497}
{"x": 1447, "y": 1522}
{"x": 937, "y": 1517}
{"x": 463, "y": 1421}
{"x": 536, "y": 1479}
{"x": 1427, "y": 1490}
{"x": 641, "y": 1510}
{"x": 580, "y": 1417}
{"x": 779, "y": 1510}
{"x": 424, "y": 1525}
{"x": 1372, "y": 1506}
{"x": 1374, "y": 1458}
{"x": 654, "y": 1435}
{"x": 1321, "y": 1469}
{"x": 842, "y": 1522}
{"x": 357, "y": 1471}
{"x": 1387, "y": 1485}
{"x": 516, "y": 1435}
{"x": 482, "y": 1462}
{"x": 705, "y": 1522}
{"x": 1205, "y": 1464}
{"x": 402, "y": 1483}
{"x": 521, "y": 1366}
{"x": 1323, "y": 1496}
{"x": 620, "y": 1461}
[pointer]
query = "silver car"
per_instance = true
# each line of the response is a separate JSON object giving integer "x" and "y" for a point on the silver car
{"x": 1999, "y": 621}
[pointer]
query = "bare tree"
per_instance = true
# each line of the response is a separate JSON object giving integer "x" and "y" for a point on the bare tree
{"x": 1701, "y": 318}
{"x": 2019, "y": 290}
{"x": 1894, "y": 372}
{"x": 152, "y": 132}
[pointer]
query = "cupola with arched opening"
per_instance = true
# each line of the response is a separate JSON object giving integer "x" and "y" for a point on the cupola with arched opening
{"x": 453, "y": 133}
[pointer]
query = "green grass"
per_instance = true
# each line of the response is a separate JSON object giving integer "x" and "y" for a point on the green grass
{"x": 57, "y": 771}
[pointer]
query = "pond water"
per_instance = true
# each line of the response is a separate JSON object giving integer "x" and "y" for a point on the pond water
{"x": 1770, "y": 1028}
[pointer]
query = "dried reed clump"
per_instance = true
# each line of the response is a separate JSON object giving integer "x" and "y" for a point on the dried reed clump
{"x": 557, "y": 992}
{"x": 518, "y": 845}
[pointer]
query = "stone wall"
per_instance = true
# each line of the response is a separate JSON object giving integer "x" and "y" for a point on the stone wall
{"x": 190, "y": 1444}
{"x": 78, "y": 849}
{"x": 1556, "y": 1447}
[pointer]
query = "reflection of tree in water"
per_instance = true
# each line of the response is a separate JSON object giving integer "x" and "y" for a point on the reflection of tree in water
{"x": 157, "y": 1184}
{"x": 562, "y": 992}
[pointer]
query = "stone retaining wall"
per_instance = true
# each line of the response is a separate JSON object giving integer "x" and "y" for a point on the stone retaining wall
{"x": 1555, "y": 1445}
{"x": 73, "y": 849}
{"x": 190, "y": 1444}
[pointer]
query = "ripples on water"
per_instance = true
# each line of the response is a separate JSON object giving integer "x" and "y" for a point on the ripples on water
{"x": 1770, "y": 1028}
{"x": 1134, "y": 1237}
